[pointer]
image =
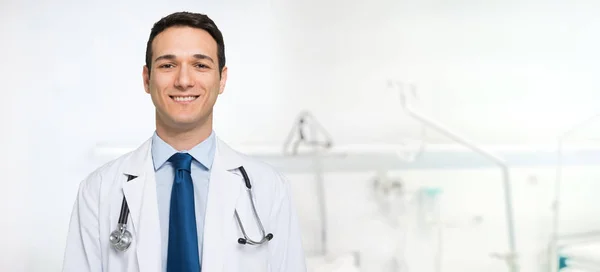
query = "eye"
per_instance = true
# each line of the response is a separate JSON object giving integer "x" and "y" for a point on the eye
{"x": 202, "y": 66}
{"x": 166, "y": 65}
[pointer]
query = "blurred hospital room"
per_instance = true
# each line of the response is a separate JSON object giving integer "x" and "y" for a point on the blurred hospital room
{"x": 418, "y": 136}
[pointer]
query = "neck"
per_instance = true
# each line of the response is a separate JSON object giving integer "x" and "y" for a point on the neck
{"x": 184, "y": 138}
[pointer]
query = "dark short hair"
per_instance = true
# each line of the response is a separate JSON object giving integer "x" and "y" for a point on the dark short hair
{"x": 189, "y": 19}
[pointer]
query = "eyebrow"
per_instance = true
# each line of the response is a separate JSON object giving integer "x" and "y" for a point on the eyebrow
{"x": 196, "y": 56}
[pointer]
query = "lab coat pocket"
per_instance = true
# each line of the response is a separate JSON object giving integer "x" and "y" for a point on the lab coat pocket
{"x": 122, "y": 261}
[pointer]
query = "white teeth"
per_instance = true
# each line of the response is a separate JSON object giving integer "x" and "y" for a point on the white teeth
{"x": 184, "y": 98}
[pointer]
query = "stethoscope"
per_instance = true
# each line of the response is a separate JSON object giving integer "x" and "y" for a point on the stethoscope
{"x": 121, "y": 238}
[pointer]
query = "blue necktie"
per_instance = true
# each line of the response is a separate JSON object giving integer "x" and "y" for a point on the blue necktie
{"x": 183, "y": 237}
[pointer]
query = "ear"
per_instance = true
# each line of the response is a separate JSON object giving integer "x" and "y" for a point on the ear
{"x": 223, "y": 80}
{"x": 146, "y": 78}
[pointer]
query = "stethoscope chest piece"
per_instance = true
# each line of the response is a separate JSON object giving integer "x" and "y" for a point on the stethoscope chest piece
{"x": 121, "y": 238}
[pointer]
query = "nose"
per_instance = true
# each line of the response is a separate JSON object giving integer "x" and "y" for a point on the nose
{"x": 184, "y": 79}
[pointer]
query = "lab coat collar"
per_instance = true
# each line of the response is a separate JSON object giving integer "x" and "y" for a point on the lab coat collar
{"x": 224, "y": 189}
{"x": 139, "y": 159}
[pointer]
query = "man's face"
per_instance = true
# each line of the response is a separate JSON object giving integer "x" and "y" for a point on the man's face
{"x": 184, "y": 81}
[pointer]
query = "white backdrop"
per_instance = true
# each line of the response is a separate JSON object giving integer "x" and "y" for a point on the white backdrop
{"x": 502, "y": 72}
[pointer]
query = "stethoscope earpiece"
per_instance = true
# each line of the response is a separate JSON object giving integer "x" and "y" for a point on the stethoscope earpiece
{"x": 243, "y": 241}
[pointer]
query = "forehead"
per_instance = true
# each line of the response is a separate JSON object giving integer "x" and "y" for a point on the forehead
{"x": 184, "y": 41}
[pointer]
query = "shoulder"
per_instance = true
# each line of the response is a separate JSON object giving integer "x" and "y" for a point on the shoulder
{"x": 91, "y": 186}
{"x": 262, "y": 174}
{"x": 107, "y": 173}
{"x": 262, "y": 169}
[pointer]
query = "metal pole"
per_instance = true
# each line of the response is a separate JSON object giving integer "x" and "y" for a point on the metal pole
{"x": 554, "y": 256}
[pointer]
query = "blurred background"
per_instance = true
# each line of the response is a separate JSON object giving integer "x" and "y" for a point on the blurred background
{"x": 419, "y": 136}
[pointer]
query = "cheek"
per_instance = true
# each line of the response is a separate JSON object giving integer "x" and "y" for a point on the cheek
{"x": 160, "y": 83}
{"x": 158, "y": 88}
{"x": 214, "y": 87}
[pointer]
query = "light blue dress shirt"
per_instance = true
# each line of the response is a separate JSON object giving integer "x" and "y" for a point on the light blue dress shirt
{"x": 203, "y": 155}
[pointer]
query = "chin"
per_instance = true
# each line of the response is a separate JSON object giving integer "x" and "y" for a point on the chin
{"x": 182, "y": 121}
{"x": 187, "y": 123}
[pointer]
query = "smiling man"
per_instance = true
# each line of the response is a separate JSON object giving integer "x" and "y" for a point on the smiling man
{"x": 184, "y": 200}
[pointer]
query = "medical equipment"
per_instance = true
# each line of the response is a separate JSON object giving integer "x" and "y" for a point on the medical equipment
{"x": 404, "y": 215}
{"x": 312, "y": 134}
{"x": 385, "y": 251}
{"x": 309, "y": 131}
{"x": 511, "y": 256}
{"x": 246, "y": 239}
{"x": 121, "y": 238}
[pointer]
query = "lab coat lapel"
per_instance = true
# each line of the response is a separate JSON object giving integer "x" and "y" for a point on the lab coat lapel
{"x": 140, "y": 193}
{"x": 224, "y": 190}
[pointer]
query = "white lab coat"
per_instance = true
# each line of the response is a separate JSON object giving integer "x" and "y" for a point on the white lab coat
{"x": 98, "y": 204}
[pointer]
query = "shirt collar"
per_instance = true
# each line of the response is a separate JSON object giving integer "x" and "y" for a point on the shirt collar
{"x": 202, "y": 153}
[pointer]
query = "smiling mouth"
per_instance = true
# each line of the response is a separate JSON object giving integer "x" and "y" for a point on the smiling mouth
{"x": 187, "y": 98}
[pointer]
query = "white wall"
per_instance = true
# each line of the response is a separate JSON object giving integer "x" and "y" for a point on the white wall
{"x": 15, "y": 172}
{"x": 496, "y": 71}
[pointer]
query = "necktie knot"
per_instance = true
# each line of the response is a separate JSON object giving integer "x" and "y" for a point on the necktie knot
{"x": 181, "y": 161}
